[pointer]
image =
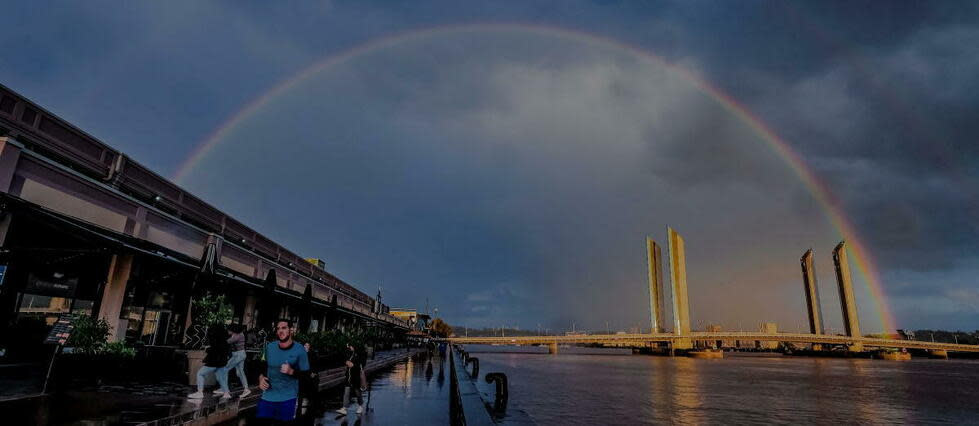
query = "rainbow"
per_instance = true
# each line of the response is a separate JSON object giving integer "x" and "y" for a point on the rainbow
{"x": 831, "y": 205}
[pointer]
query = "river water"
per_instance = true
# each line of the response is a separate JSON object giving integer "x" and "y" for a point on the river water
{"x": 640, "y": 389}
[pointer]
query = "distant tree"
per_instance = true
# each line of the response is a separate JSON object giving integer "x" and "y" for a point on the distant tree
{"x": 440, "y": 328}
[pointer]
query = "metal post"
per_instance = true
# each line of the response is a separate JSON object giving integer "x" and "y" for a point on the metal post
{"x": 44, "y": 389}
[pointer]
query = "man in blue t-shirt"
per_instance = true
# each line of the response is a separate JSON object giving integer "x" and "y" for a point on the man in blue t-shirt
{"x": 287, "y": 361}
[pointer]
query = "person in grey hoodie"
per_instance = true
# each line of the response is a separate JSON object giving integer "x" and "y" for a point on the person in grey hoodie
{"x": 237, "y": 362}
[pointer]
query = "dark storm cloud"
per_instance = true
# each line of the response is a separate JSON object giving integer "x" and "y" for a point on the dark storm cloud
{"x": 896, "y": 145}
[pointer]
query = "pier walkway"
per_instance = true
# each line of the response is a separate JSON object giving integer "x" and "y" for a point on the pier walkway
{"x": 411, "y": 392}
{"x": 212, "y": 410}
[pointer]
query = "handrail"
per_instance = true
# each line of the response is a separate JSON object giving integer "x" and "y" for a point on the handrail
{"x": 724, "y": 335}
{"x": 456, "y": 415}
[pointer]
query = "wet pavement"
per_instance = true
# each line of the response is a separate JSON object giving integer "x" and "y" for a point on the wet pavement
{"x": 411, "y": 392}
{"x": 406, "y": 388}
{"x": 130, "y": 403}
{"x": 18, "y": 380}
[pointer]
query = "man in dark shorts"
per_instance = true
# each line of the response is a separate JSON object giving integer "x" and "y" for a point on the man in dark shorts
{"x": 287, "y": 362}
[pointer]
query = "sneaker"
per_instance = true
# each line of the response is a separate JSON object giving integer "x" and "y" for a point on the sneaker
{"x": 245, "y": 393}
{"x": 360, "y": 409}
{"x": 342, "y": 410}
{"x": 226, "y": 395}
{"x": 196, "y": 395}
{"x": 218, "y": 392}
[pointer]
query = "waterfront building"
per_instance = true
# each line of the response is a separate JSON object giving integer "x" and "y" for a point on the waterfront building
{"x": 713, "y": 328}
{"x": 319, "y": 263}
{"x": 85, "y": 229}
{"x": 768, "y": 328}
{"x": 415, "y": 320}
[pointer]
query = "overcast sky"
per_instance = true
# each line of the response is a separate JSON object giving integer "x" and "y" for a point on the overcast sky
{"x": 509, "y": 174}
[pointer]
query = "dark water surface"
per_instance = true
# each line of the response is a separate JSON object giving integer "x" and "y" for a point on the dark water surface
{"x": 641, "y": 389}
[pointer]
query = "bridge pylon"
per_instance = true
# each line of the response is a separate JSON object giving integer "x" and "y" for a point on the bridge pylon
{"x": 678, "y": 278}
{"x": 654, "y": 261}
{"x": 851, "y": 323}
{"x": 812, "y": 293}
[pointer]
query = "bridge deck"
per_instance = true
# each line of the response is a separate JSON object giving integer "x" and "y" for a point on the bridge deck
{"x": 643, "y": 339}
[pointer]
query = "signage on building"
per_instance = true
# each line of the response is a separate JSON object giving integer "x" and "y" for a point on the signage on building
{"x": 55, "y": 285}
{"x": 61, "y": 331}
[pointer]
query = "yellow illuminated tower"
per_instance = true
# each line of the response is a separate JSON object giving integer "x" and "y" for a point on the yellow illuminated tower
{"x": 655, "y": 263}
{"x": 850, "y": 322}
{"x": 812, "y": 293}
{"x": 678, "y": 277}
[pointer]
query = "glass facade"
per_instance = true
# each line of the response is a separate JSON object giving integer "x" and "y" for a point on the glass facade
{"x": 46, "y": 272}
{"x": 153, "y": 309}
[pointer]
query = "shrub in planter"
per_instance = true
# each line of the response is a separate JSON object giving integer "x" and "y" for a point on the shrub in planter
{"x": 89, "y": 335}
{"x": 119, "y": 350}
{"x": 212, "y": 309}
{"x": 329, "y": 348}
{"x": 89, "y": 357}
{"x": 207, "y": 311}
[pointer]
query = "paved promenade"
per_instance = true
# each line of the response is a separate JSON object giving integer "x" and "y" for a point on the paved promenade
{"x": 213, "y": 410}
{"x": 414, "y": 392}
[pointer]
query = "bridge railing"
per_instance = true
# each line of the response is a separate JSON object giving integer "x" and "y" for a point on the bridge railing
{"x": 729, "y": 335}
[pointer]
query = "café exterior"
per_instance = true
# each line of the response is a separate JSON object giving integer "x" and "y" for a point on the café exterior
{"x": 85, "y": 229}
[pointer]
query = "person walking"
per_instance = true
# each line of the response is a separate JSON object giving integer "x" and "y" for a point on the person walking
{"x": 355, "y": 380}
{"x": 287, "y": 362}
{"x": 309, "y": 383}
{"x": 236, "y": 341}
{"x": 215, "y": 357}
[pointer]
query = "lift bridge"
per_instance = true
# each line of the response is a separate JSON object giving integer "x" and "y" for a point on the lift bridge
{"x": 682, "y": 337}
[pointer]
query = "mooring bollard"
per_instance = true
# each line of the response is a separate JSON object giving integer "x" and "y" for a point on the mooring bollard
{"x": 502, "y": 390}
{"x": 475, "y": 363}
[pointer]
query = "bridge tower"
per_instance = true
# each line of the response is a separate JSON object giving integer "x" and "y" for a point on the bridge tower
{"x": 678, "y": 278}
{"x": 850, "y": 321}
{"x": 655, "y": 263}
{"x": 812, "y": 293}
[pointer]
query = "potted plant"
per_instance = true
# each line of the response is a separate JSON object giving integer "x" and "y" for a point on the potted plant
{"x": 206, "y": 311}
{"x": 88, "y": 356}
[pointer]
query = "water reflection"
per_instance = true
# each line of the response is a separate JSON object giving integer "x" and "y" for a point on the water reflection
{"x": 687, "y": 396}
{"x": 637, "y": 389}
{"x": 402, "y": 395}
{"x": 441, "y": 378}
{"x": 661, "y": 409}
{"x": 822, "y": 379}
{"x": 404, "y": 379}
